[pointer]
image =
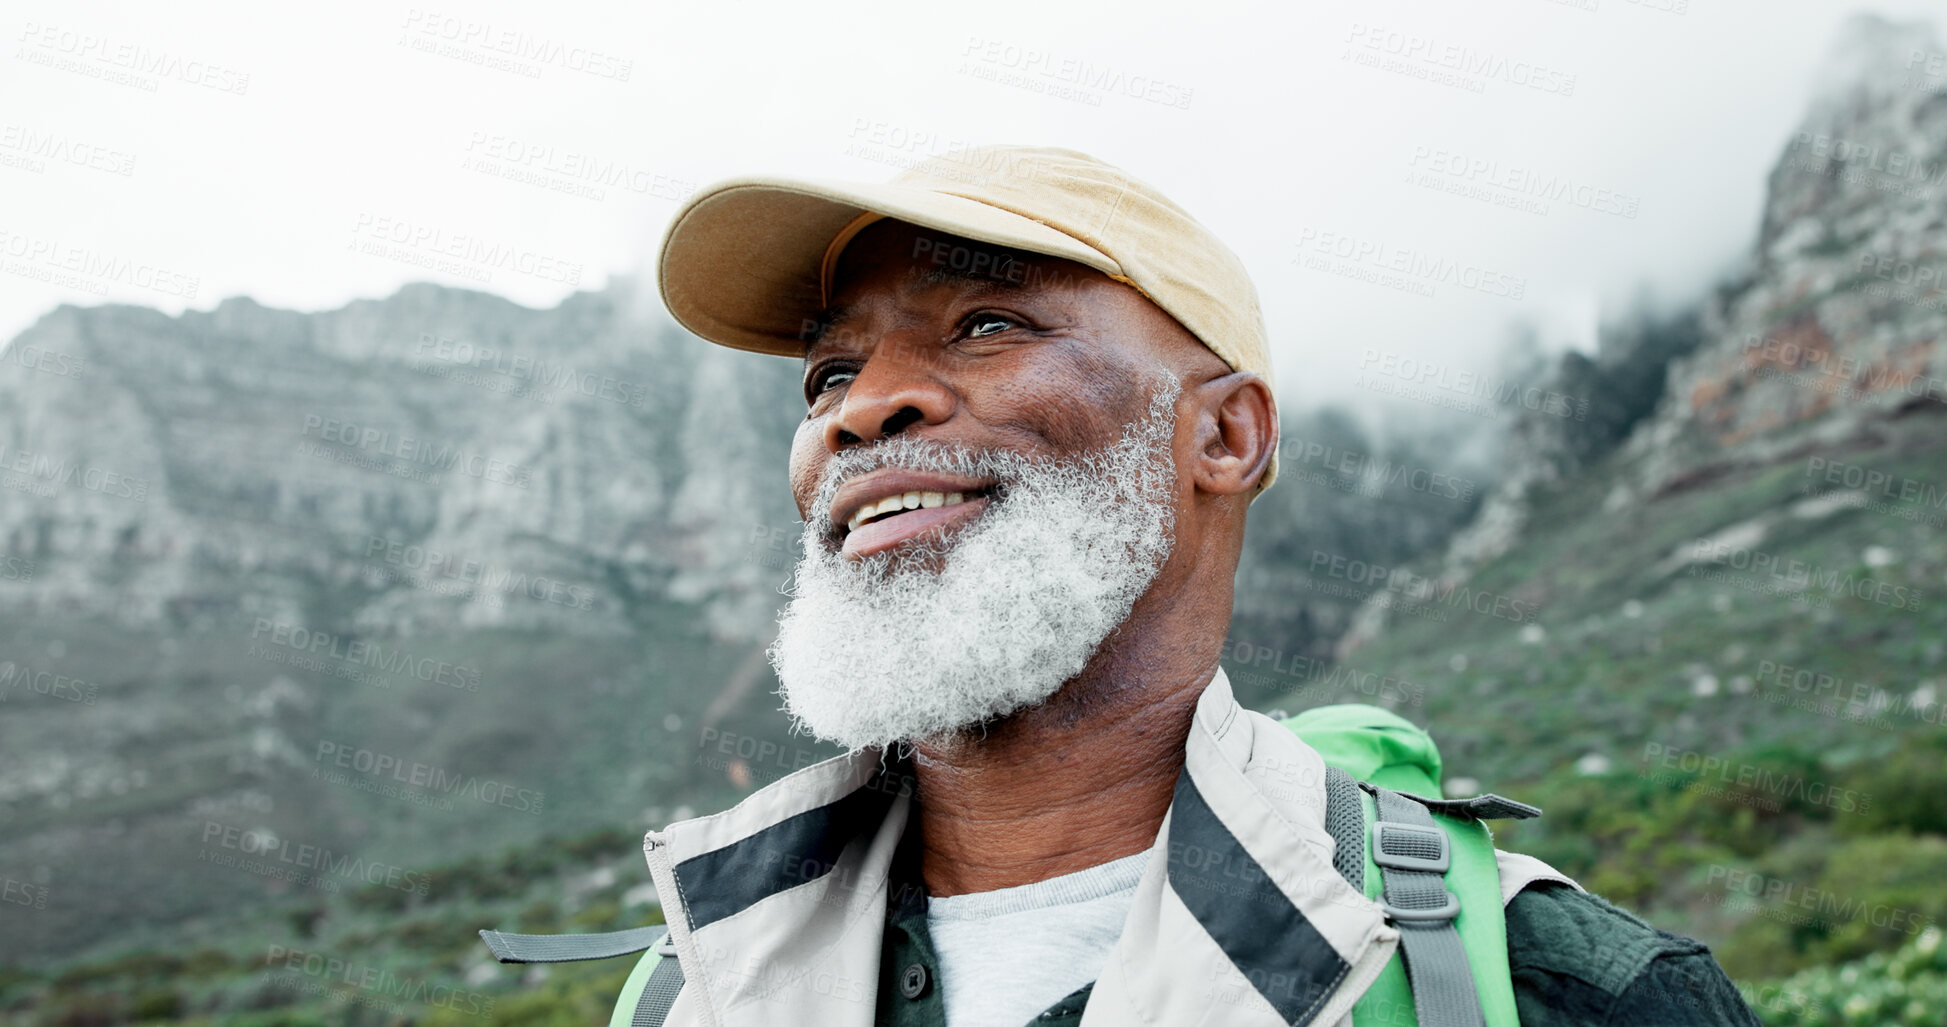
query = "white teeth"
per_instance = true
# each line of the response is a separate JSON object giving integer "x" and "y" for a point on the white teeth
{"x": 904, "y": 501}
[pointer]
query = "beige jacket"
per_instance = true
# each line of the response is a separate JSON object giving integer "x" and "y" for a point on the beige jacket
{"x": 777, "y": 907}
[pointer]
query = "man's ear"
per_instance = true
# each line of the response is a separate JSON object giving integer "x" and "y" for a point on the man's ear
{"x": 1236, "y": 433}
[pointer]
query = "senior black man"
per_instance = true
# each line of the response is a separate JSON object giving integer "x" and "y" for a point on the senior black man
{"x": 1038, "y": 407}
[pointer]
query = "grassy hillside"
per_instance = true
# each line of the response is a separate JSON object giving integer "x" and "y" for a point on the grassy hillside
{"x": 372, "y": 955}
{"x": 220, "y": 757}
{"x": 1728, "y": 700}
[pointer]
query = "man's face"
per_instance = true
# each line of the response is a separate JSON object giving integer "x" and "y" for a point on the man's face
{"x": 1034, "y": 394}
{"x": 971, "y": 345}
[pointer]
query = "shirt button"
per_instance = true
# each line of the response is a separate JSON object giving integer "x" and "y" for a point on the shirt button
{"x": 912, "y": 983}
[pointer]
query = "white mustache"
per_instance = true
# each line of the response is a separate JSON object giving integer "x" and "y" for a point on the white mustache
{"x": 911, "y": 453}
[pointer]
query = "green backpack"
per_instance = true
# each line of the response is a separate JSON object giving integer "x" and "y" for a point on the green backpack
{"x": 1428, "y": 861}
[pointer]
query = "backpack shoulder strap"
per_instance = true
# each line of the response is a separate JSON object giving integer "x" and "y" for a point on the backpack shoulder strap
{"x": 569, "y": 948}
{"x": 651, "y": 989}
{"x": 1453, "y": 961}
{"x": 1413, "y": 854}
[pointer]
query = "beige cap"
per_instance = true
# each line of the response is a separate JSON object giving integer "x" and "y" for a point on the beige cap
{"x": 747, "y": 261}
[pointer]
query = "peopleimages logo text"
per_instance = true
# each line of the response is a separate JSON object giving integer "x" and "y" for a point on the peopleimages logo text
{"x": 1800, "y": 578}
{"x": 435, "y": 570}
{"x": 134, "y": 58}
{"x": 1374, "y": 473}
{"x": 262, "y": 843}
{"x": 544, "y": 376}
{"x": 437, "y": 456}
{"x": 379, "y": 981}
{"x": 61, "y": 471}
{"x": 1878, "y": 483}
{"x": 1750, "y": 776}
{"x": 379, "y": 765}
{"x": 1434, "y": 375}
{"x": 371, "y": 654}
{"x": 517, "y": 44}
{"x": 1854, "y": 700}
{"x": 1830, "y": 907}
{"x": 1297, "y": 672}
{"x": 1418, "y": 588}
{"x": 46, "y": 682}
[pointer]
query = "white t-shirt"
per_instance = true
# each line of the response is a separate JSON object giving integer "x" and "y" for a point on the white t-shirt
{"x": 1006, "y": 955}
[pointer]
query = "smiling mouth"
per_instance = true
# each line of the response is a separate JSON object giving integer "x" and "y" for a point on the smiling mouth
{"x": 895, "y": 505}
{"x": 901, "y": 517}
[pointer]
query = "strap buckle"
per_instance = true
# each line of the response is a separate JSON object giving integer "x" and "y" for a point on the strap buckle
{"x": 666, "y": 945}
{"x": 1399, "y": 846}
{"x": 1445, "y": 911}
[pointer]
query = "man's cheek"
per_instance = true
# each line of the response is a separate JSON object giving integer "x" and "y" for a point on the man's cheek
{"x": 808, "y": 458}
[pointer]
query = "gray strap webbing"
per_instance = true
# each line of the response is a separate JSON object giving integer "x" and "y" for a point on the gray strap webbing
{"x": 569, "y": 948}
{"x": 1345, "y": 821}
{"x": 659, "y": 992}
{"x": 1480, "y": 807}
{"x": 1412, "y": 853}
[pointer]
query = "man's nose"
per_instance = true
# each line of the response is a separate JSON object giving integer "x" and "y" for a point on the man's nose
{"x": 896, "y": 389}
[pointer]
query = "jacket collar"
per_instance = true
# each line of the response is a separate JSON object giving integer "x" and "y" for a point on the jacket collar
{"x": 777, "y": 906}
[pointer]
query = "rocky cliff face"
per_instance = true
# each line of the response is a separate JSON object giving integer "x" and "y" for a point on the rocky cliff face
{"x": 443, "y": 461}
{"x": 1834, "y": 326}
{"x": 538, "y": 548}
{"x": 439, "y": 459}
{"x": 1839, "y": 321}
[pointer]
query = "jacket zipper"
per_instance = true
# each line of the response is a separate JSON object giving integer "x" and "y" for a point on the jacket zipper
{"x": 662, "y": 871}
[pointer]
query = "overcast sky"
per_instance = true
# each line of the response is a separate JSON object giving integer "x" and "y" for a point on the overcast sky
{"x": 178, "y": 154}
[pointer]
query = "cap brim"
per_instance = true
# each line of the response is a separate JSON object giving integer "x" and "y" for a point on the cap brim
{"x": 740, "y": 265}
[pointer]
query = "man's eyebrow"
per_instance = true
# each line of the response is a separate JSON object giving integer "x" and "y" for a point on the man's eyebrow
{"x": 823, "y": 322}
{"x": 983, "y": 281}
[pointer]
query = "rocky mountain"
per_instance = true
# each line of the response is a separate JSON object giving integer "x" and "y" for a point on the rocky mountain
{"x": 1838, "y": 321}
{"x": 437, "y": 460}
{"x": 1832, "y": 328}
{"x": 437, "y": 528}
{"x": 538, "y": 548}
{"x": 1702, "y": 625}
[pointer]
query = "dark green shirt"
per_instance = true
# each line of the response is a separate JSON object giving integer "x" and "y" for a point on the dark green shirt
{"x": 1576, "y": 961}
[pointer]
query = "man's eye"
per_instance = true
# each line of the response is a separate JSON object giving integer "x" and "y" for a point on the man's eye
{"x": 826, "y": 380}
{"x": 987, "y": 324}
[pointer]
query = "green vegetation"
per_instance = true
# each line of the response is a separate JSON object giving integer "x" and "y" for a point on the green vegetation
{"x": 1779, "y": 879}
{"x": 1748, "y": 755}
{"x": 375, "y": 955}
{"x": 1906, "y": 987}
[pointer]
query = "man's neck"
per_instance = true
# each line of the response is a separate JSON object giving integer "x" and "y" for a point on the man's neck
{"x": 1079, "y": 781}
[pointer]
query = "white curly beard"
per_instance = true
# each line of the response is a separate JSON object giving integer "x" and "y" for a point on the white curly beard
{"x": 883, "y": 650}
